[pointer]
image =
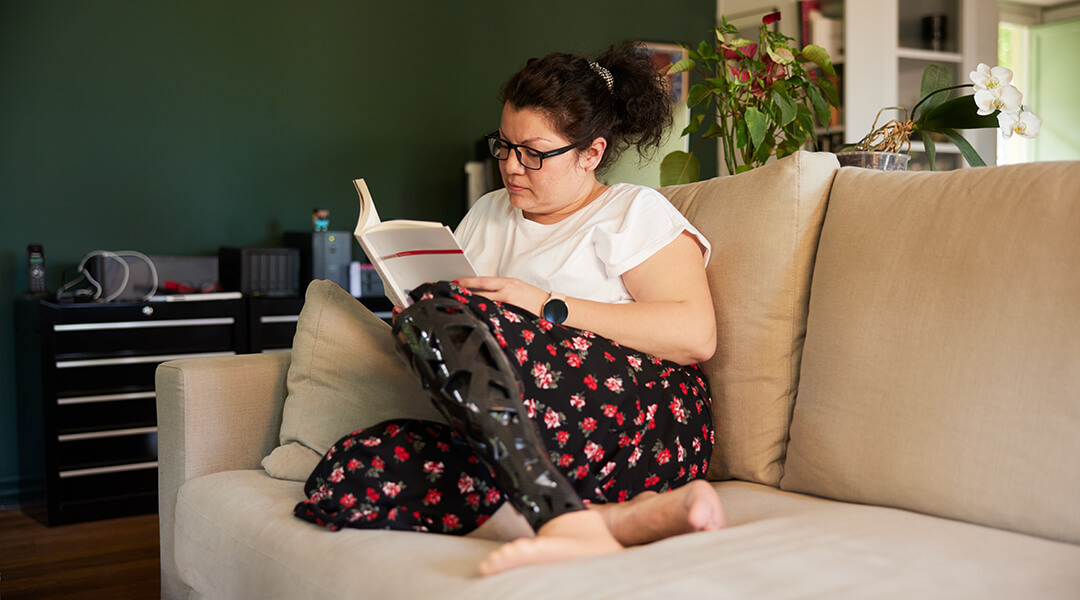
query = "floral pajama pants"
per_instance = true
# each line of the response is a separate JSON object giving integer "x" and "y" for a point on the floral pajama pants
{"x": 615, "y": 421}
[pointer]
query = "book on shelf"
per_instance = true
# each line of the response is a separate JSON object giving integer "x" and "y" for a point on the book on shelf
{"x": 405, "y": 253}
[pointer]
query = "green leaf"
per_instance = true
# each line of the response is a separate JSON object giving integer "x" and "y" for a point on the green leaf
{"x": 820, "y": 105}
{"x": 694, "y": 125}
{"x": 829, "y": 89}
{"x": 931, "y": 149}
{"x": 933, "y": 92}
{"x": 966, "y": 149}
{"x": 820, "y": 57}
{"x": 805, "y": 118}
{"x": 958, "y": 113}
{"x": 679, "y": 167}
{"x": 780, "y": 54}
{"x": 681, "y": 66}
{"x": 756, "y": 123}
{"x": 743, "y": 168}
{"x": 740, "y": 133}
{"x": 699, "y": 92}
{"x": 788, "y": 111}
{"x": 714, "y": 130}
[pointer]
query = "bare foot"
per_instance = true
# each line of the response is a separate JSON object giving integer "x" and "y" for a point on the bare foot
{"x": 573, "y": 535}
{"x": 650, "y": 516}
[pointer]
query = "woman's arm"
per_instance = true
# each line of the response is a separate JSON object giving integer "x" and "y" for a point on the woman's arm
{"x": 672, "y": 316}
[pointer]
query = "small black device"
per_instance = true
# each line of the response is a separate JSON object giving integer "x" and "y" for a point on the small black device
{"x": 35, "y": 268}
{"x": 260, "y": 271}
{"x": 555, "y": 309}
{"x": 323, "y": 255}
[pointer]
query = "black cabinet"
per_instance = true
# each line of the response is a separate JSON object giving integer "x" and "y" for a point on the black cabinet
{"x": 87, "y": 409}
{"x": 87, "y": 414}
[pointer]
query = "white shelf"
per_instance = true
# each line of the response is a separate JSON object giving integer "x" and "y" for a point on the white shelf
{"x": 939, "y": 147}
{"x": 929, "y": 55}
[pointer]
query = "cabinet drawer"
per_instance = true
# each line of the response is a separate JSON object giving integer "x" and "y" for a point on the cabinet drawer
{"x": 121, "y": 481}
{"x": 90, "y": 377}
{"x": 115, "y": 411}
{"x": 166, "y": 336}
{"x": 81, "y": 454}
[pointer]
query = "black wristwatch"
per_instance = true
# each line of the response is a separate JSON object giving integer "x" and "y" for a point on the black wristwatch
{"x": 555, "y": 309}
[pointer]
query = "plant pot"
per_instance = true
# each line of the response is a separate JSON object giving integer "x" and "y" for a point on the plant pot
{"x": 882, "y": 161}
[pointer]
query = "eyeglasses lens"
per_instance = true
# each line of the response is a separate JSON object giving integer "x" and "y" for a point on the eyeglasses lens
{"x": 528, "y": 157}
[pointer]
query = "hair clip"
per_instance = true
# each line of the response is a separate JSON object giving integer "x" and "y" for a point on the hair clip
{"x": 604, "y": 74}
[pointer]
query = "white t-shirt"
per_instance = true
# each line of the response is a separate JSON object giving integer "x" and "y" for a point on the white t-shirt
{"x": 582, "y": 256}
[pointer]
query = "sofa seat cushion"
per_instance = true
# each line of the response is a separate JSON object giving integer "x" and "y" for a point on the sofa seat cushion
{"x": 236, "y": 538}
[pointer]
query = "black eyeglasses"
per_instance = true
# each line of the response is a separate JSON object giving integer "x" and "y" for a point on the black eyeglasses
{"x": 528, "y": 157}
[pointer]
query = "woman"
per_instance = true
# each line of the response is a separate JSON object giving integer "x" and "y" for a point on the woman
{"x": 568, "y": 372}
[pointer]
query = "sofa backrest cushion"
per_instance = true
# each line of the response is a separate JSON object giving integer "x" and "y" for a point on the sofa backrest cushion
{"x": 941, "y": 370}
{"x": 763, "y": 226}
{"x": 345, "y": 375}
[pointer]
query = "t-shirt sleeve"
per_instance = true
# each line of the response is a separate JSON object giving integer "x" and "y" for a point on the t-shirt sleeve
{"x": 649, "y": 223}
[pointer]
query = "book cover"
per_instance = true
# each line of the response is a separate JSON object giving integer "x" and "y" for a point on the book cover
{"x": 407, "y": 254}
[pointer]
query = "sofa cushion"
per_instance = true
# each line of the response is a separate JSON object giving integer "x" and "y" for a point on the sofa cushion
{"x": 763, "y": 226}
{"x": 236, "y": 538}
{"x": 941, "y": 368}
{"x": 345, "y": 375}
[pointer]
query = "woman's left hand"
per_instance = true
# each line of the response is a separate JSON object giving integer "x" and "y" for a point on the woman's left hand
{"x": 507, "y": 289}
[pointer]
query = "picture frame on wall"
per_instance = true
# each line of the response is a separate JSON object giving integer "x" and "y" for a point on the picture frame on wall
{"x": 665, "y": 55}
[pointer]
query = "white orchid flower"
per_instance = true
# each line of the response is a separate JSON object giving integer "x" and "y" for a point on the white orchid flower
{"x": 1006, "y": 99}
{"x": 987, "y": 78}
{"x": 1023, "y": 123}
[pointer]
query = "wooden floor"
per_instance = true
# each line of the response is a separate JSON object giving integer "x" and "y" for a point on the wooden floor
{"x": 117, "y": 558}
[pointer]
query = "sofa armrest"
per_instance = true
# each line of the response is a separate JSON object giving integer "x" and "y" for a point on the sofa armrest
{"x": 214, "y": 414}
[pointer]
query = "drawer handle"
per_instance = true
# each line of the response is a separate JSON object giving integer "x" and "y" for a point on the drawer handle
{"x": 112, "y": 469}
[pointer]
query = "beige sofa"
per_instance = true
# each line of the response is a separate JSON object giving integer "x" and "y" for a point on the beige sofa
{"x": 896, "y": 395}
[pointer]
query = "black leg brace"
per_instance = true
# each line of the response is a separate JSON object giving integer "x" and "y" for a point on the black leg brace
{"x": 474, "y": 386}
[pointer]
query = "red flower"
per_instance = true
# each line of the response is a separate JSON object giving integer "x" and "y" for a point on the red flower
{"x": 566, "y": 460}
{"x": 771, "y": 18}
{"x": 609, "y": 357}
{"x": 353, "y": 465}
{"x": 473, "y": 500}
{"x": 401, "y": 453}
{"x": 663, "y": 456}
{"x": 551, "y": 349}
{"x": 590, "y": 382}
{"x": 348, "y": 500}
{"x": 392, "y": 430}
{"x": 377, "y": 463}
{"x": 337, "y": 475}
{"x": 581, "y": 472}
{"x": 451, "y": 521}
{"x": 588, "y": 424}
{"x": 563, "y": 437}
{"x": 492, "y": 496}
{"x": 432, "y": 497}
{"x": 372, "y": 495}
{"x": 651, "y": 481}
{"x": 573, "y": 360}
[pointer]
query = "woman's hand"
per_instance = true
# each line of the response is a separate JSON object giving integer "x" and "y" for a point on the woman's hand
{"x": 509, "y": 290}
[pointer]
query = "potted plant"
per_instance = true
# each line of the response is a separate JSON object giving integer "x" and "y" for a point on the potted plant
{"x": 994, "y": 103}
{"x": 759, "y": 98}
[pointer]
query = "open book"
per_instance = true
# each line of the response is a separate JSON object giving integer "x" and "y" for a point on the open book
{"x": 407, "y": 254}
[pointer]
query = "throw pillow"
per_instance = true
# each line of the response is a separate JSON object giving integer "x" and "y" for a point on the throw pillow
{"x": 345, "y": 375}
{"x": 764, "y": 226}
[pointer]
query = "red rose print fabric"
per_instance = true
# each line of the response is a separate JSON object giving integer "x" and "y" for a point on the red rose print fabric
{"x": 615, "y": 421}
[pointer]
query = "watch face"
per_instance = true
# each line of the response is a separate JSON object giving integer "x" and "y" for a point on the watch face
{"x": 555, "y": 311}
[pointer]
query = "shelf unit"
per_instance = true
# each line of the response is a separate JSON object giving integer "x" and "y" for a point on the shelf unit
{"x": 890, "y": 60}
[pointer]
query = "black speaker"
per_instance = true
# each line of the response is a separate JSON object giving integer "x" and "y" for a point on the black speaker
{"x": 323, "y": 255}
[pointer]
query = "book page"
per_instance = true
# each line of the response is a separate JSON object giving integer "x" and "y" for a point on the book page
{"x": 369, "y": 217}
{"x": 414, "y": 256}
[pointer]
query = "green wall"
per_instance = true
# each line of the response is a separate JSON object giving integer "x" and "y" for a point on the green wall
{"x": 176, "y": 127}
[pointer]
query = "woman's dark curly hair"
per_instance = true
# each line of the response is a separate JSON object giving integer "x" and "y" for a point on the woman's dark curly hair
{"x": 635, "y": 112}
